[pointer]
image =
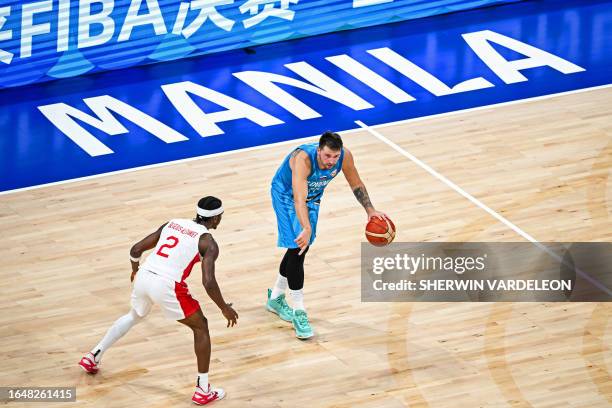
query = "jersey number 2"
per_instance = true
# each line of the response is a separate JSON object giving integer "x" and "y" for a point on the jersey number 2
{"x": 174, "y": 243}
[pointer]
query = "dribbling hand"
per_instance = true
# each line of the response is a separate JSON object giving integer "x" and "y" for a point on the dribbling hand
{"x": 377, "y": 214}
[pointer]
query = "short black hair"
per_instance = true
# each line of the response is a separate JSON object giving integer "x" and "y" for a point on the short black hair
{"x": 331, "y": 140}
{"x": 208, "y": 203}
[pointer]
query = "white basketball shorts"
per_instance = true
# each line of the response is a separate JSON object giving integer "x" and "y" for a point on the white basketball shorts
{"x": 172, "y": 297}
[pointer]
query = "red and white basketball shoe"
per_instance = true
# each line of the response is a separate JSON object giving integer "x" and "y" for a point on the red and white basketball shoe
{"x": 202, "y": 397}
{"x": 89, "y": 364}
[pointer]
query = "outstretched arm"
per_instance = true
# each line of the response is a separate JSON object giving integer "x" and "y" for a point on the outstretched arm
{"x": 356, "y": 184}
{"x": 144, "y": 244}
{"x": 209, "y": 250}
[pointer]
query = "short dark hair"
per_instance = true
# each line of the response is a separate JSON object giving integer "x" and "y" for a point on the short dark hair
{"x": 331, "y": 140}
{"x": 208, "y": 203}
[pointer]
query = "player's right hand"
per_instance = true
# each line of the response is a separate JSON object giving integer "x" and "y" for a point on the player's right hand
{"x": 303, "y": 240}
{"x": 376, "y": 214}
{"x": 230, "y": 314}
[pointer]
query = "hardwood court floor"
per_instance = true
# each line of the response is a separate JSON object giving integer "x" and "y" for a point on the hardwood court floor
{"x": 544, "y": 165}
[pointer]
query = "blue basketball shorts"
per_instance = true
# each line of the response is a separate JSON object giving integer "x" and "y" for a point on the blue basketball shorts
{"x": 287, "y": 221}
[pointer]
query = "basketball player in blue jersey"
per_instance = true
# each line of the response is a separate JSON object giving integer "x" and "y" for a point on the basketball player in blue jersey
{"x": 297, "y": 188}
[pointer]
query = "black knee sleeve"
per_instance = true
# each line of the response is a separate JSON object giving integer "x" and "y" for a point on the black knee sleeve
{"x": 294, "y": 268}
{"x": 282, "y": 269}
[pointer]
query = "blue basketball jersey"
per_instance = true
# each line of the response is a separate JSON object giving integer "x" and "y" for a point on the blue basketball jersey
{"x": 317, "y": 180}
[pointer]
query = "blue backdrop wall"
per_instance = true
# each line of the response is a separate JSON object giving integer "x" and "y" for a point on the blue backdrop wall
{"x": 45, "y": 39}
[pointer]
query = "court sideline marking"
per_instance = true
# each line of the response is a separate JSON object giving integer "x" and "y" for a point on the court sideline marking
{"x": 358, "y": 129}
{"x": 480, "y": 204}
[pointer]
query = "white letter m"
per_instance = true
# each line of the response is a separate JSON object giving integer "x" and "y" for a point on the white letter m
{"x": 63, "y": 117}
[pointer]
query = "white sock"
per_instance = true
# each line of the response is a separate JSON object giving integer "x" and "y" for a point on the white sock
{"x": 203, "y": 381}
{"x": 279, "y": 287}
{"x": 297, "y": 297}
{"x": 115, "y": 332}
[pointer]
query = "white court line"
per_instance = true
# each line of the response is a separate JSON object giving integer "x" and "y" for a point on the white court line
{"x": 248, "y": 149}
{"x": 152, "y": 166}
{"x": 494, "y": 105}
{"x": 481, "y": 205}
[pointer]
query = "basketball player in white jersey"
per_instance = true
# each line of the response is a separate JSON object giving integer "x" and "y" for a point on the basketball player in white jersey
{"x": 179, "y": 244}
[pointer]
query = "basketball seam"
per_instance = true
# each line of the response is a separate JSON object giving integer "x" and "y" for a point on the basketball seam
{"x": 374, "y": 234}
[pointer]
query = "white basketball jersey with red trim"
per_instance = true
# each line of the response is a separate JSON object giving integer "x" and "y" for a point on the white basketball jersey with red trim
{"x": 177, "y": 250}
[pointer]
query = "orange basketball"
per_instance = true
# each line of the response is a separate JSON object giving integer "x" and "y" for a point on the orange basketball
{"x": 380, "y": 232}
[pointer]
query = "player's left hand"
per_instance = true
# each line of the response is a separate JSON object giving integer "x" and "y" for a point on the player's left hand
{"x": 376, "y": 214}
{"x": 303, "y": 240}
{"x": 132, "y": 276}
{"x": 230, "y": 314}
